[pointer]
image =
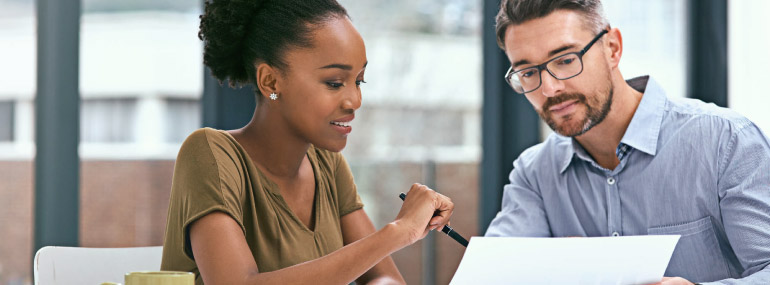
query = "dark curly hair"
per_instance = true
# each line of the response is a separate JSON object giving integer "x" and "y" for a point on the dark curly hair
{"x": 239, "y": 33}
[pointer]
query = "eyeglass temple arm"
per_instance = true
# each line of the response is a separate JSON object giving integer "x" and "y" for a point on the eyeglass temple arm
{"x": 588, "y": 46}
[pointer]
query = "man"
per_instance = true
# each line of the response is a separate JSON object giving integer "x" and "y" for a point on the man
{"x": 624, "y": 158}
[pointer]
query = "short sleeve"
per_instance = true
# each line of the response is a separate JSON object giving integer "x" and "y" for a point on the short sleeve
{"x": 347, "y": 195}
{"x": 206, "y": 179}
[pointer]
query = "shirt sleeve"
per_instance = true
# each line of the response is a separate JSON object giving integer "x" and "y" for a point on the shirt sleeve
{"x": 205, "y": 180}
{"x": 744, "y": 190}
{"x": 523, "y": 212}
{"x": 349, "y": 201}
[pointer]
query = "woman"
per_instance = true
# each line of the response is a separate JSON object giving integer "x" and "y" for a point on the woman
{"x": 274, "y": 201}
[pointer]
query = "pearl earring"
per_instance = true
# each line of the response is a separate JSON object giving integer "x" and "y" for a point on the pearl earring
{"x": 273, "y": 96}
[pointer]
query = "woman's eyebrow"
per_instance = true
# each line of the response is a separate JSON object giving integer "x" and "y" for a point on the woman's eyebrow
{"x": 338, "y": 65}
{"x": 341, "y": 66}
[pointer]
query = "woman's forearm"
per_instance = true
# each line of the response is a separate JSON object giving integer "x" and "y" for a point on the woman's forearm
{"x": 223, "y": 256}
{"x": 342, "y": 266}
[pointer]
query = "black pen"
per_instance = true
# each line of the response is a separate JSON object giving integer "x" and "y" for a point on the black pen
{"x": 447, "y": 230}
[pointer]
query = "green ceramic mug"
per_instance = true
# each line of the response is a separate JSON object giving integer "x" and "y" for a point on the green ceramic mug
{"x": 160, "y": 278}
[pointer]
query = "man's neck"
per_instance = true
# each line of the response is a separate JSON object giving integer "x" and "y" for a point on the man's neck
{"x": 603, "y": 139}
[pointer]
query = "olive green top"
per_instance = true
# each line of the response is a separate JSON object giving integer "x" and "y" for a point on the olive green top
{"x": 214, "y": 173}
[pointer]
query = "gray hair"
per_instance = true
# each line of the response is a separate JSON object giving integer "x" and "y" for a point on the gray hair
{"x": 514, "y": 12}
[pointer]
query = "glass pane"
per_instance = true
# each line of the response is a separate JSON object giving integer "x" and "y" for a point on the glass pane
{"x": 654, "y": 40}
{"x": 182, "y": 118}
{"x": 17, "y": 87}
{"x": 6, "y": 121}
{"x": 749, "y": 41}
{"x": 420, "y": 118}
{"x": 141, "y": 82}
{"x": 107, "y": 120}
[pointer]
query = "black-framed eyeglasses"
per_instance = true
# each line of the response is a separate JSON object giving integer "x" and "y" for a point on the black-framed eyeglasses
{"x": 562, "y": 67}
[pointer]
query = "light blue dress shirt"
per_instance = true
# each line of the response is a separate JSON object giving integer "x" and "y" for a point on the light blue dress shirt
{"x": 686, "y": 168}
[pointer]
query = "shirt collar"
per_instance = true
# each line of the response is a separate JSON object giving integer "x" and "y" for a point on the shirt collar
{"x": 573, "y": 149}
{"x": 642, "y": 133}
{"x": 569, "y": 146}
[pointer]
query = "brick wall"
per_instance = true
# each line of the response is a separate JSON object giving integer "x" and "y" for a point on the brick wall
{"x": 124, "y": 203}
{"x": 16, "y": 199}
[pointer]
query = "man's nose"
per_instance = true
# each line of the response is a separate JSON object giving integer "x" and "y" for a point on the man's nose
{"x": 549, "y": 85}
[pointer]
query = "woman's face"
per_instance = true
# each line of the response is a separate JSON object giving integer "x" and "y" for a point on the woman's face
{"x": 320, "y": 90}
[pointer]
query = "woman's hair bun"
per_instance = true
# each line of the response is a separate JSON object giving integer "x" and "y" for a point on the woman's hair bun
{"x": 223, "y": 28}
{"x": 239, "y": 33}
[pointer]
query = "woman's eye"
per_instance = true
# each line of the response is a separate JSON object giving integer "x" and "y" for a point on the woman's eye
{"x": 358, "y": 82}
{"x": 334, "y": 84}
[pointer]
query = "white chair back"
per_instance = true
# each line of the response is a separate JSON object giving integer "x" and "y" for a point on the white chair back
{"x": 81, "y": 265}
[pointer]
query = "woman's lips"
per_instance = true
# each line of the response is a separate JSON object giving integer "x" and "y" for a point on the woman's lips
{"x": 342, "y": 129}
{"x": 342, "y": 125}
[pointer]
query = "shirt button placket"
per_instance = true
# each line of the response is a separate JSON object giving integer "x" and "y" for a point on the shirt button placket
{"x": 614, "y": 213}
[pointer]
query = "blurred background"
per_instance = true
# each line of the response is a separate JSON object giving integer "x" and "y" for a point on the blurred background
{"x": 435, "y": 110}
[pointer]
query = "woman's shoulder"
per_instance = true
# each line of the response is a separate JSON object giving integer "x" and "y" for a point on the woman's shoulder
{"x": 207, "y": 139}
{"x": 210, "y": 160}
{"x": 205, "y": 135}
{"x": 217, "y": 148}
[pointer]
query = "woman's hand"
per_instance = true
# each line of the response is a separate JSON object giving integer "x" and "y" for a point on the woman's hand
{"x": 423, "y": 210}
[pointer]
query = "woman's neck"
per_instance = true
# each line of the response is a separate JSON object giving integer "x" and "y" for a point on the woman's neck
{"x": 272, "y": 145}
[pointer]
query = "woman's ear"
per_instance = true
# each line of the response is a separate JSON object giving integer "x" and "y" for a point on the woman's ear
{"x": 267, "y": 79}
{"x": 614, "y": 46}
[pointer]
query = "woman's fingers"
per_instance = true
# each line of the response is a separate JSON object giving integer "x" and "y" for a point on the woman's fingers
{"x": 443, "y": 212}
{"x": 426, "y": 209}
{"x": 442, "y": 208}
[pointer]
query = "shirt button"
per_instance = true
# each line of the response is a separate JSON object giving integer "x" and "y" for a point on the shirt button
{"x": 615, "y": 234}
{"x": 611, "y": 180}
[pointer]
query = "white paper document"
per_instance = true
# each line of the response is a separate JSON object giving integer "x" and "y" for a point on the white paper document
{"x": 594, "y": 260}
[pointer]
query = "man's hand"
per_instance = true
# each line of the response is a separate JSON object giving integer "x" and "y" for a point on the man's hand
{"x": 673, "y": 281}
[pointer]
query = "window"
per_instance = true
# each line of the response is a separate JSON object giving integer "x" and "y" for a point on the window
{"x": 135, "y": 55}
{"x": 17, "y": 87}
{"x": 420, "y": 118}
{"x": 182, "y": 117}
{"x": 6, "y": 121}
{"x": 748, "y": 43}
{"x": 654, "y": 40}
{"x": 107, "y": 120}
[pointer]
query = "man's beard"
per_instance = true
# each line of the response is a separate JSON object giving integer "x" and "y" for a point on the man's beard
{"x": 595, "y": 113}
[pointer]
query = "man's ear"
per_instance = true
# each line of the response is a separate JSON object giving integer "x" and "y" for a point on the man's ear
{"x": 614, "y": 47}
{"x": 267, "y": 79}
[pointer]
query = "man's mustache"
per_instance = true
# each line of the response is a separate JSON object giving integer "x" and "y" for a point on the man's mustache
{"x": 552, "y": 101}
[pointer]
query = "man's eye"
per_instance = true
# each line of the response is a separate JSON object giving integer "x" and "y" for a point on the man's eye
{"x": 566, "y": 61}
{"x": 528, "y": 73}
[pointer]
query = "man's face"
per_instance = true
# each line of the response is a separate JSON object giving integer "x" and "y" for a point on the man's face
{"x": 570, "y": 107}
